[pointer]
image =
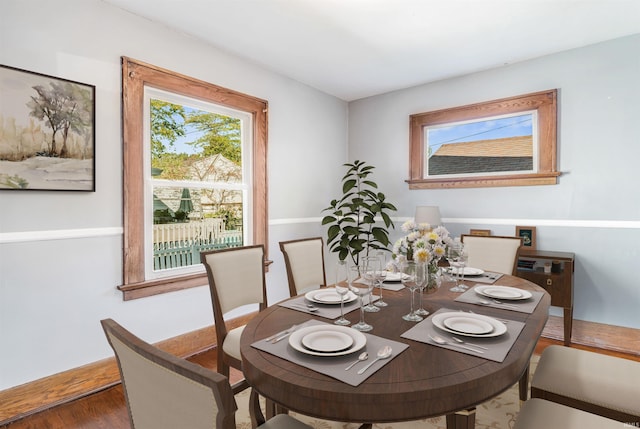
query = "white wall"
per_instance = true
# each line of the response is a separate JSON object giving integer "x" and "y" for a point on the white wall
{"x": 61, "y": 252}
{"x": 594, "y": 211}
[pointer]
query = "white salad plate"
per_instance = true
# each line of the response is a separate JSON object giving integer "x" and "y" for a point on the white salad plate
{"x": 329, "y": 296}
{"x": 503, "y": 292}
{"x": 468, "y": 325}
{"x": 327, "y": 341}
{"x": 440, "y": 321}
{"x": 296, "y": 338}
{"x": 468, "y": 271}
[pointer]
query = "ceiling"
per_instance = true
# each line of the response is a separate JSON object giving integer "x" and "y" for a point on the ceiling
{"x": 358, "y": 48}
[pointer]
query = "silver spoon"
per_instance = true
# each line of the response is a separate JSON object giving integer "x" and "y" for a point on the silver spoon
{"x": 363, "y": 356}
{"x": 383, "y": 353}
{"x": 441, "y": 340}
{"x": 308, "y": 307}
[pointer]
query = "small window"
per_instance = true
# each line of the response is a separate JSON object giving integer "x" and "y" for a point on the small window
{"x": 507, "y": 142}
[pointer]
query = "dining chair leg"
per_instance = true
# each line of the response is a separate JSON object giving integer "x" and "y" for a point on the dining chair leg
{"x": 462, "y": 419}
{"x": 366, "y": 426}
{"x": 255, "y": 413}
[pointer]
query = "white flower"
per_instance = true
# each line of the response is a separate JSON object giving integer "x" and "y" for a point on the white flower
{"x": 421, "y": 243}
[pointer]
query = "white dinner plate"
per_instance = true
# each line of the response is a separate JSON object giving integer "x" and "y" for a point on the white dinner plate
{"x": 503, "y": 292}
{"x": 468, "y": 271}
{"x": 468, "y": 325}
{"x": 327, "y": 341}
{"x": 359, "y": 339}
{"x": 499, "y": 328}
{"x": 329, "y": 296}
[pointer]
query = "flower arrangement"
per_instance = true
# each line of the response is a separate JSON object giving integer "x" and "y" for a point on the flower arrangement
{"x": 423, "y": 243}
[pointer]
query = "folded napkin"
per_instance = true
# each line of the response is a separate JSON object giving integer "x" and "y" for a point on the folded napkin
{"x": 497, "y": 347}
{"x": 334, "y": 366}
{"x": 521, "y": 305}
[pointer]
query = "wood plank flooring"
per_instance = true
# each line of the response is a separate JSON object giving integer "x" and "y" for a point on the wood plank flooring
{"x": 107, "y": 409}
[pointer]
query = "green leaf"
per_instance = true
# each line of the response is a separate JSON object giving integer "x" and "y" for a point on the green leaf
{"x": 348, "y": 185}
{"x": 328, "y": 219}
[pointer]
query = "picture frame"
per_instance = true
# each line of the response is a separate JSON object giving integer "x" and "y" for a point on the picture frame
{"x": 528, "y": 235}
{"x": 480, "y": 232}
{"x": 47, "y": 132}
{"x": 505, "y": 142}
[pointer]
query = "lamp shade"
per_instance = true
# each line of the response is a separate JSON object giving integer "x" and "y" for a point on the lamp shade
{"x": 428, "y": 214}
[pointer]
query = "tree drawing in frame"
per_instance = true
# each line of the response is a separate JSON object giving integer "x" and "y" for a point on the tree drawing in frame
{"x": 47, "y": 132}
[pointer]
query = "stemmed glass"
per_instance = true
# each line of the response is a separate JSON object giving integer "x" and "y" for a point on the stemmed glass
{"x": 412, "y": 276}
{"x": 455, "y": 256}
{"x": 422, "y": 285}
{"x": 343, "y": 281}
{"x": 361, "y": 288}
{"x": 370, "y": 267}
{"x": 381, "y": 275}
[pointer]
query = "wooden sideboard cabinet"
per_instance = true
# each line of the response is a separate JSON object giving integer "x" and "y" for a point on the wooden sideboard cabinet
{"x": 559, "y": 282}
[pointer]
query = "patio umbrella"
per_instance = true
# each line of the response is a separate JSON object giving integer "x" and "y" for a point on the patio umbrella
{"x": 186, "y": 205}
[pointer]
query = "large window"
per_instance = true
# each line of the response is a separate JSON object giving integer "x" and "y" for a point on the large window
{"x": 194, "y": 176}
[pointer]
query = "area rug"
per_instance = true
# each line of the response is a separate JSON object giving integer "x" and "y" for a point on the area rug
{"x": 497, "y": 413}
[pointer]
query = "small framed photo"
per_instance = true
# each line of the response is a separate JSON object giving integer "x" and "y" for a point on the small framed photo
{"x": 47, "y": 132}
{"x": 482, "y": 232}
{"x": 528, "y": 234}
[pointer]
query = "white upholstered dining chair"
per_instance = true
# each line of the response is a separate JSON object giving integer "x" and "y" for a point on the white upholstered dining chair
{"x": 493, "y": 252}
{"x": 236, "y": 278}
{"x": 304, "y": 261}
{"x": 163, "y": 391}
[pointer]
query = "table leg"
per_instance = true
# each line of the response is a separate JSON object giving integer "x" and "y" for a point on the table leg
{"x": 523, "y": 385}
{"x": 568, "y": 324}
{"x": 465, "y": 419}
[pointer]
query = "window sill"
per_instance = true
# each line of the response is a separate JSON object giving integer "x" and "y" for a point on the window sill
{"x": 169, "y": 284}
{"x": 547, "y": 178}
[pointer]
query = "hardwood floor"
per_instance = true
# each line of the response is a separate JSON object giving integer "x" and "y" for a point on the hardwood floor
{"x": 107, "y": 409}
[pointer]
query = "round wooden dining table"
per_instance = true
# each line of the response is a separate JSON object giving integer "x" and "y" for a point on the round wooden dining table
{"x": 423, "y": 381}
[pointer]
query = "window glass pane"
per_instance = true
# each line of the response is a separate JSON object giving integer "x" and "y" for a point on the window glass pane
{"x": 196, "y": 177}
{"x": 497, "y": 145}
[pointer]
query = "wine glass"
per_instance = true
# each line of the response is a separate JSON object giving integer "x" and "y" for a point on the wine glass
{"x": 454, "y": 254}
{"x": 381, "y": 275}
{"x": 370, "y": 267}
{"x": 343, "y": 280}
{"x": 412, "y": 276}
{"x": 463, "y": 263}
{"x": 361, "y": 288}
{"x": 422, "y": 285}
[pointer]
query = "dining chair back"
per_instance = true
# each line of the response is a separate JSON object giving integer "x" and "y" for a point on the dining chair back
{"x": 163, "y": 391}
{"x": 493, "y": 252}
{"x": 304, "y": 261}
{"x": 236, "y": 279}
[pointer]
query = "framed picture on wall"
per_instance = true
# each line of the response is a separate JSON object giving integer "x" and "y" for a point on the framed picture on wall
{"x": 528, "y": 234}
{"x": 482, "y": 232}
{"x": 47, "y": 132}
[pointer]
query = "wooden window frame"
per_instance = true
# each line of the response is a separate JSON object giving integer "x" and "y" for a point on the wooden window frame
{"x": 545, "y": 103}
{"x": 135, "y": 76}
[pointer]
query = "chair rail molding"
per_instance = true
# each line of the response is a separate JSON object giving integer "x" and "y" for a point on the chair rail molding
{"x": 58, "y": 234}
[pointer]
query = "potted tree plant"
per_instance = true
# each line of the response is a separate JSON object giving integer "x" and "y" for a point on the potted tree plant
{"x": 352, "y": 218}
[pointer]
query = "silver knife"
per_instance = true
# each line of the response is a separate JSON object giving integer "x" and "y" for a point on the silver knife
{"x": 283, "y": 336}
{"x": 285, "y": 332}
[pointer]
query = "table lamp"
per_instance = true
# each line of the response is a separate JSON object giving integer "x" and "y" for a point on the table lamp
{"x": 428, "y": 214}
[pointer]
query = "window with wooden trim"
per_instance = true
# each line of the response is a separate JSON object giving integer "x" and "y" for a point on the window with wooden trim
{"x": 179, "y": 201}
{"x": 506, "y": 142}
